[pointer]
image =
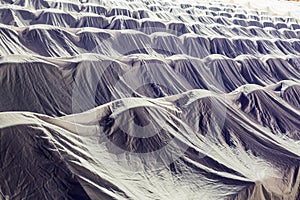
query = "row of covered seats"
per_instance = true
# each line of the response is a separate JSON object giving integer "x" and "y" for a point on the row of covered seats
{"x": 205, "y": 26}
{"x": 58, "y": 42}
{"x": 211, "y": 73}
{"x": 138, "y": 11}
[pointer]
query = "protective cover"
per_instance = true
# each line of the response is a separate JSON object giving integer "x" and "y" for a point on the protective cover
{"x": 144, "y": 100}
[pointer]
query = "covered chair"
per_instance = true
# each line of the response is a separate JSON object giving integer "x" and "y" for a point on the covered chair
{"x": 195, "y": 45}
{"x": 93, "y": 21}
{"x": 223, "y": 46}
{"x": 152, "y": 26}
{"x": 167, "y": 44}
{"x": 122, "y": 22}
{"x": 178, "y": 28}
{"x": 119, "y": 11}
{"x": 94, "y": 8}
{"x": 129, "y": 42}
{"x": 56, "y": 18}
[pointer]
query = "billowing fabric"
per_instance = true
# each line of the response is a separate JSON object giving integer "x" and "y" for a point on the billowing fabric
{"x": 144, "y": 100}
